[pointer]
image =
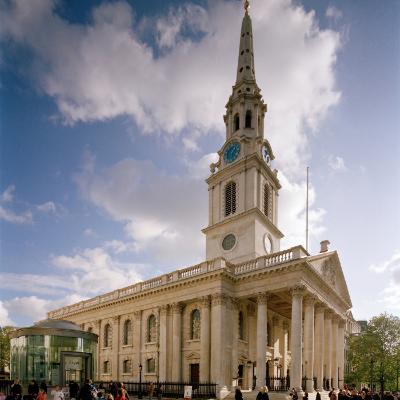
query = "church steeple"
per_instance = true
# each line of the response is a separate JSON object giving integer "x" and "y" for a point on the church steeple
{"x": 245, "y": 69}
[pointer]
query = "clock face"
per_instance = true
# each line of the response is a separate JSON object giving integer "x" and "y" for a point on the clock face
{"x": 266, "y": 155}
{"x": 229, "y": 242}
{"x": 232, "y": 152}
{"x": 267, "y": 244}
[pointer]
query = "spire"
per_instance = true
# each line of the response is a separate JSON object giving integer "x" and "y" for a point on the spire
{"x": 245, "y": 70}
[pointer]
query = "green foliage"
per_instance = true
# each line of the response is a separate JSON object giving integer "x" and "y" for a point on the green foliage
{"x": 4, "y": 347}
{"x": 375, "y": 354}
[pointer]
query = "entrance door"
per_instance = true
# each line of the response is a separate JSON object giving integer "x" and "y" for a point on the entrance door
{"x": 75, "y": 366}
{"x": 240, "y": 375}
{"x": 194, "y": 373}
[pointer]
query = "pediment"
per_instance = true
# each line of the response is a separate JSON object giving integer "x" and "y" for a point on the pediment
{"x": 329, "y": 267}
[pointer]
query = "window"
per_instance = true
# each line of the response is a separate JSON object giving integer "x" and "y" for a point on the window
{"x": 127, "y": 367}
{"x": 107, "y": 335}
{"x": 106, "y": 367}
{"x": 248, "y": 118}
{"x": 269, "y": 335}
{"x": 151, "y": 329}
{"x": 151, "y": 365}
{"x": 127, "y": 333}
{"x": 268, "y": 201}
{"x": 194, "y": 374}
{"x": 195, "y": 324}
{"x": 230, "y": 198}
{"x": 241, "y": 326}
{"x": 236, "y": 121}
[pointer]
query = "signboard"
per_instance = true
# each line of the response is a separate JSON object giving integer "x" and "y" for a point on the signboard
{"x": 188, "y": 392}
{"x": 73, "y": 363}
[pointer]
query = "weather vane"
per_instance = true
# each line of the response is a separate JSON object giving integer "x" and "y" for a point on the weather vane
{"x": 246, "y": 5}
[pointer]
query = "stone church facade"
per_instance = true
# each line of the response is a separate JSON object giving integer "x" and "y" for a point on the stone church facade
{"x": 250, "y": 310}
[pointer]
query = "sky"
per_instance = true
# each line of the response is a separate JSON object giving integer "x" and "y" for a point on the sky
{"x": 111, "y": 112}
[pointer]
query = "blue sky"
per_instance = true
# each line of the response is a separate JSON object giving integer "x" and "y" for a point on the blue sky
{"x": 111, "y": 113}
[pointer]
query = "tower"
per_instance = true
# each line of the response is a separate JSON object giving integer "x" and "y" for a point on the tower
{"x": 243, "y": 187}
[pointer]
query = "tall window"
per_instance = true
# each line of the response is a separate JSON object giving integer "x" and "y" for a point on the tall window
{"x": 127, "y": 332}
{"x": 230, "y": 198}
{"x": 107, "y": 335}
{"x": 241, "y": 326}
{"x": 151, "y": 329}
{"x": 151, "y": 365}
{"x": 267, "y": 201}
{"x": 236, "y": 122}
{"x": 248, "y": 119}
{"x": 106, "y": 367}
{"x": 127, "y": 367}
{"x": 195, "y": 324}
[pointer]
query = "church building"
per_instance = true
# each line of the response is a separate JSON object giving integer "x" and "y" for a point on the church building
{"x": 252, "y": 314}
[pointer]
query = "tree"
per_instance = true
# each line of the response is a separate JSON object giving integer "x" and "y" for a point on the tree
{"x": 5, "y": 348}
{"x": 374, "y": 354}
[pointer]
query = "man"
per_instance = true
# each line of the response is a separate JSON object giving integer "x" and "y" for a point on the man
{"x": 16, "y": 389}
{"x": 263, "y": 394}
{"x": 73, "y": 390}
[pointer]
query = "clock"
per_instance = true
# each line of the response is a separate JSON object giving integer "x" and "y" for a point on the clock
{"x": 229, "y": 242}
{"x": 232, "y": 152}
{"x": 266, "y": 155}
{"x": 267, "y": 244}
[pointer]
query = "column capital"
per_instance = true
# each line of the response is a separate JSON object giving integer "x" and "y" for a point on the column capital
{"x": 163, "y": 309}
{"x": 251, "y": 309}
{"x": 310, "y": 299}
{"x": 342, "y": 323}
{"x": 205, "y": 301}
{"x": 320, "y": 307}
{"x": 218, "y": 299}
{"x": 336, "y": 318}
{"x": 97, "y": 323}
{"x": 285, "y": 325}
{"x": 235, "y": 303}
{"x": 262, "y": 297}
{"x": 329, "y": 314}
{"x": 137, "y": 315}
{"x": 298, "y": 290}
{"x": 177, "y": 307}
{"x": 116, "y": 319}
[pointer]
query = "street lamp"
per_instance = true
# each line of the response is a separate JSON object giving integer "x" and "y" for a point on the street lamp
{"x": 140, "y": 382}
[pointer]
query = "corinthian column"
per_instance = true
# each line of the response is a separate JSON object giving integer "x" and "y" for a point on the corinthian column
{"x": 176, "y": 341}
{"x": 319, "y": 345}
{"x": 340, "y": 356}
{"x": 309, "y": 342}
{"x": 328, "y": 347}
{"x": 334, "y": 352}
{"x": 296, "y": 332}
{"x": 205, "y": 340}
{"x": 162, "y": 366}
{"x": 137, "y": 342}
{"x": 115, "y": 348}
{"x": 261, "y": 338}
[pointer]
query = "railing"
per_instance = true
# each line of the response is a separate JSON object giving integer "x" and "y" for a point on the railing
{"x": 167, "y": 389}
{"x": 278, "y": 384}
{"x": 186, "y": 273}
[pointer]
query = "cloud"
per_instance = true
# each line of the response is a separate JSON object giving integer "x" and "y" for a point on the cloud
{"x": 89, "y": 232}
{"x": 48, "y": 207}
{"x": 336, "y": 163}
{"x": 392, "y": 264}
{"x": 7, "y": 197}
{"x": 175, "y": 86}
{"x": 4, "y": 316}
{"x": 333, "y": 13}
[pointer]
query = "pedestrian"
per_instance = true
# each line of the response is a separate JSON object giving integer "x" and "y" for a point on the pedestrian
{"x": 263, "y": 394}
{"x": 57, "y": 393}
{"x": 305, "y": 397}
{"x": 151, "y": 390}
{"x": 120, "y": 395}
{"x": 43, "y": 386}
{"x": 86, "y": 391}
{"x": 73, "y": 390}
{"x": 238, "y": 394}
{"x": 16, "y": 389}
{"x": 318, "y": 395}
{"x": 33, "y": 389}
{"x": 109, "y": 397}
{"x": 42, "y": 395}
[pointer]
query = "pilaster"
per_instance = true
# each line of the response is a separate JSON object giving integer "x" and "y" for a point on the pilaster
{"x": 319, "y": 345}
{"x": 262, "y": 333}
{"x": 309, "y": 302}
{"x": 162, "y": 368}
{"x": 205, "y": 339}
{"x": 176, "y": 341}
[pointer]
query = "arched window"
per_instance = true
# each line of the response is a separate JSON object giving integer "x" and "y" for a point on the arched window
{"x": 106, "y": 367}
{"x": 267, "y": 201}
{"x": 248, "y": 119}
{"x": 151, "y": 329}
{"x": 236, "y": 122}
{"x": 107, "y": 335}
{"x": 127, "y": 367}
{"x": 195, "y": 324}
{"x": 127, "y": 333}
{"x": 230, "y": 198}
{"x": 241, "y": 326}
{"x": 269, "y": 335}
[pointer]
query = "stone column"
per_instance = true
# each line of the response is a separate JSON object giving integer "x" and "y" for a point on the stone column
{"x": 97, "y": 330}
{"x": 277, "y": 340}
{"x": 262, "y": 333}
{"x": 340, "y": 356}
{"x": 319, "y": 345}
{"x": 205, "y": 340}
{"x": 284, "y": 351}
{"x": 251, "y": 329}
{"x": 328, "y": 346}
{"x": 235, "y": 337}
{"x": 296, "y": 336}
{"x": 334, "y": 352}
{"x": 137, "y": 343}
{"x": 115, "y": 348}
{"x": 309, "y": 342}
{"x": 176, "y": 341}
{"x": 162, "y": 361}
{"x": 218, "y": 356}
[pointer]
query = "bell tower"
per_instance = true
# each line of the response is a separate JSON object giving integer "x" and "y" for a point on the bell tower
{"x": 243, "y": 187}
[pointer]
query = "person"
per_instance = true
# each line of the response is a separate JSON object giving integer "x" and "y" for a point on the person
{"x": 58, "y": 394}
{"x": 263, "y": 394}
{"x": 43, "y": 386}
{"x": 86, "y": 391}
{"x": 100, "y": 395}
{"x": 42, "y": 395}
{"x": 305, "y": 397}
{"x": 120, "y": 395}
{"x": 295, "y": 396}
{"x": 109, "y": 397}
{"x": 151, "y": 390}
{"x": 333, "y": 395}
{"x": 113, "y": 389}
{"x": 16, "y": 389}
{"x": 238, "y": 394}
{"x": 318, "y": 395}
{"x": 33, "y": 388}
{"x": 73, "y": 390}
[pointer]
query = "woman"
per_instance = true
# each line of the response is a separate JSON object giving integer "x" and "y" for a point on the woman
{"x": 42, "y": 395}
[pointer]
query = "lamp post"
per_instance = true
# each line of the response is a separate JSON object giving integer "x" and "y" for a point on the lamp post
{"x": 140, "y": 382}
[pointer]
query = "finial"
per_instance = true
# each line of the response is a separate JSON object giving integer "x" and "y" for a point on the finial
{"x": 246, "y": 6}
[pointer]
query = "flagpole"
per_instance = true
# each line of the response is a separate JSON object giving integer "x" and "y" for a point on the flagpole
{"x": 307, "y": 210}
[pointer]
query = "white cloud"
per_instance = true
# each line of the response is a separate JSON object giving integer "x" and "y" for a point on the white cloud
{"x": 8, "y": 195}
{"x": 180, "y": 87}
{"x": 334, "y": 13}
{"x": 392, "y": 264}
{"x": 119, "y": 247}
{"x": 6, "y": 214}
{"x": 4, "y": 316}
{"x": 89, "y": 232}
{"x": 48, "y": 207}
{"x": 336, "y": 163}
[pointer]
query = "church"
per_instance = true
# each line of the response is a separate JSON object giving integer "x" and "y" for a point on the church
{"x": 252, "y": 314}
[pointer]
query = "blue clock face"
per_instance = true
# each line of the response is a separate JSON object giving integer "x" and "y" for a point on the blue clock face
{"x": 231, "y": 152}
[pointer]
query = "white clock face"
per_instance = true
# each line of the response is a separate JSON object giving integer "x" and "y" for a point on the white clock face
{"x": 266, "y": 155}
{"x": 267, "y": 244}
